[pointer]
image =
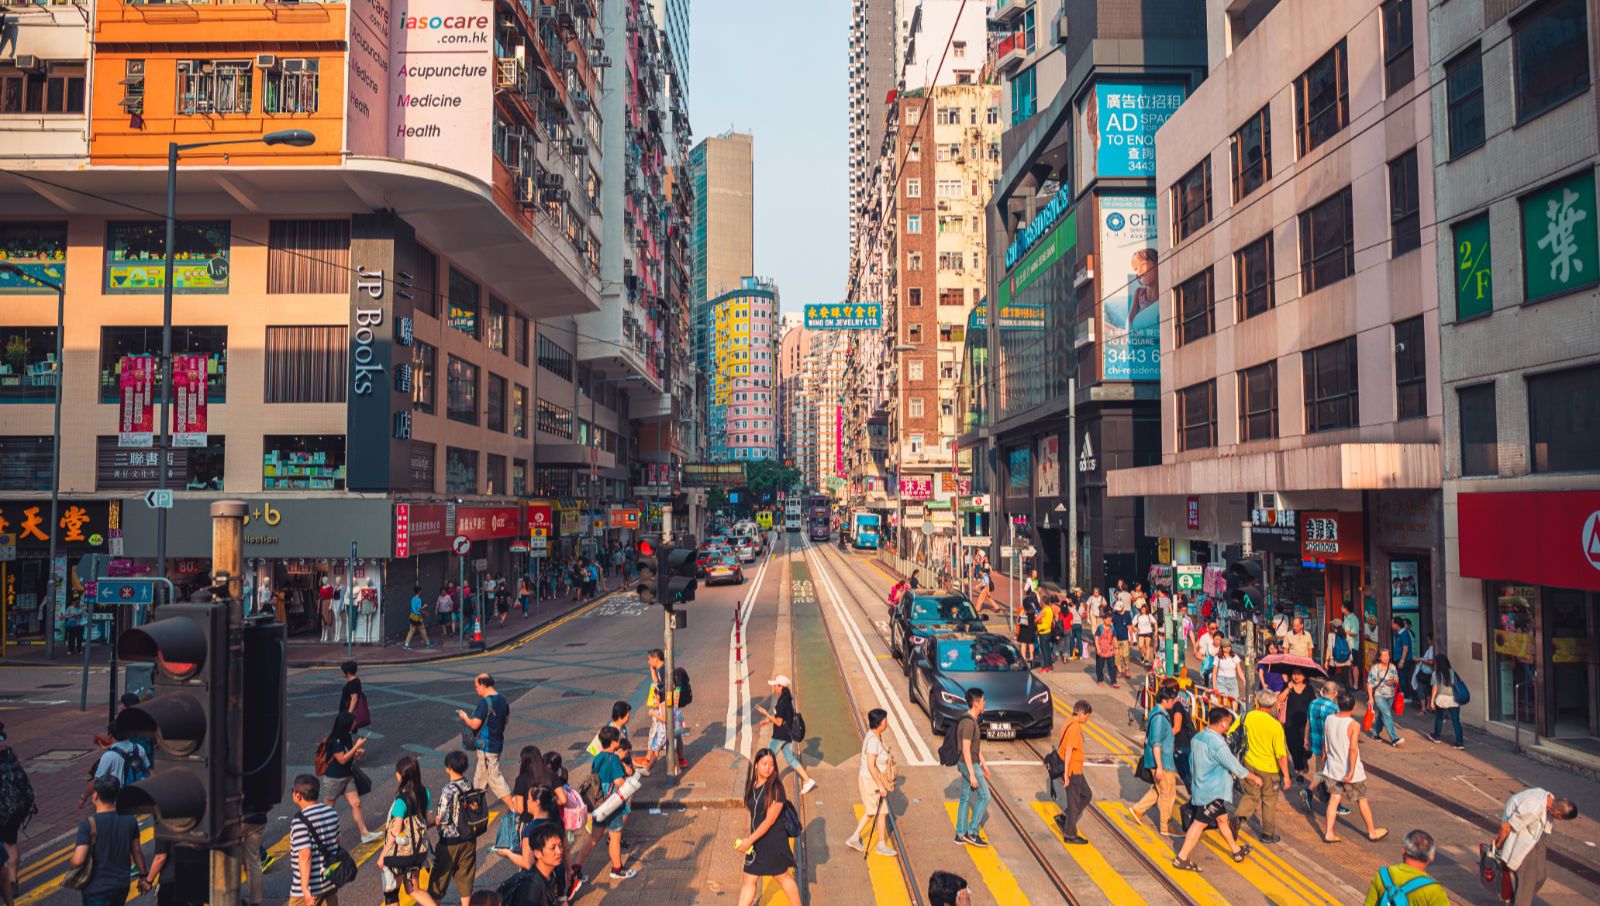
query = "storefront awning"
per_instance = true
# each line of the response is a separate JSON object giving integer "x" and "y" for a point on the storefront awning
{"x": 1351, "y": 467}
{"x": 1541, "y": 538}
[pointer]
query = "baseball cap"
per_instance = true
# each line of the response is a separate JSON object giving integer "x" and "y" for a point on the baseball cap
{"x": 779, "y": 680}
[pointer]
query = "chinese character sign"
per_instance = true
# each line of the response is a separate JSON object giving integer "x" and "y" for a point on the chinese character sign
{"x": 1126, "y": 117}
{"x": 1560, "y": 242}
{"x": 916, "y": 488}
{"x": 845, "y": 316}
{"x": 136, "y": 413}
{"x": 189, "y": 400}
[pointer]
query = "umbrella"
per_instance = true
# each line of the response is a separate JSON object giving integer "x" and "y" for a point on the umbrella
{"x": 1289, "y": 663}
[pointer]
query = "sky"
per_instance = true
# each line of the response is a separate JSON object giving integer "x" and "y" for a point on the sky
{"x": 776, "y": 68}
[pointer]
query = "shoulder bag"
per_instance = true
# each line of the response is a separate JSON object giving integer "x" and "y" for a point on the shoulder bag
{"x": 337, "y": 866}
{"x": 361, "y": 712}
{"x": 1495, "y": 876}
{"x": 77, "y": 877}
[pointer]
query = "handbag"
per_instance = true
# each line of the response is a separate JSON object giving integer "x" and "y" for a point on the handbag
{"x": 1054, "y": 766}
{"x": 1496, "y": 877}
{"x": 337, "y": 865}
{"x": 408, "y": 849}
{"x": 469, "y": 740}
{"x": 362, "y": 781}
{"x": 1459, "y": 691}
{"x": 1145, "y": 774}
{"x": 509, "y": 832}
{"x": 77, "y": 877}
{"x": 1399, "y": 705}
{"x": 361, "y": 713}
{"x": 1368, "y": 719}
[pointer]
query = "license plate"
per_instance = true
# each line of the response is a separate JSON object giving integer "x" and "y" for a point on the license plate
{"x": 1001, "y": 731}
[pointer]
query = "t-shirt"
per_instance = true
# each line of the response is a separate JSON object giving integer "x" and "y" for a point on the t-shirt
{"x": 445, "y": 603}
{"x": 1265, "y": 742}
{"x": 493, "y": 711}
{"x": 967, "y": 730}
{"x": 1072, "y": 736}
{"x": 1144, "y": 624}
{"x": 416, "y": 605}
{"x": 1317, "y": 716}
{"x": 185, "y": 876}
{"x": 1120, "y": 623}
{"x": 1352, "y": 626}
{"x": 608, "y": 767}
{"x": 525, "y": 789}
{"x": 1159, "y": 736}
{"x": 1405, "y": 650}
{"x": 536, "y": 890}
{"x": 1298, "y": 644}
{"x": 113, "y": 849}
{"x": 114, "y": 761}
{"x": 1228, "y": 673}
{"x": 348, "y": 695}
{"x": 1426, "y": 895}
{"x": 872, "y": 748}
{"x": 557, "y": 880}
{"x": 324, "y": 823}
{"x": 338, "y": 747}
{"x": 784, "y": 711}
{"x": 401, "y": 810}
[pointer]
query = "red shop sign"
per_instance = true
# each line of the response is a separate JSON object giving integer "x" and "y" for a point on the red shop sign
{"x": 402, "y": 530}
{"x": 1545, "y": 538}
{"x": 1194, "y": 513}
{"x": 483, "y": 523}
{"x": 540, "y": 516}
{"x": 426, "y": 532}
{"x": 1332, "y": 537}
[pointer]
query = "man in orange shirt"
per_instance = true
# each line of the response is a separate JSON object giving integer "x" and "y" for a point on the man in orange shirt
{"x": 1076, "y": 794}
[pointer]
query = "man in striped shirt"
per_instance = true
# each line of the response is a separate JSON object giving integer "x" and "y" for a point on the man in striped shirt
{"x": 315, "y": 829}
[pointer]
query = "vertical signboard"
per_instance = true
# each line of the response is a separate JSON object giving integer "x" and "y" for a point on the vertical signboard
{"x": 441, "y": 87}
{"x": 189, "y": 400}
{"x": 367, "y": 78}
{"x": 1119, "y": 126}
{"x": 136, "y": 414}
{"x": 1130, "y": 315}
{"x": 1048, "y": 482}
{"x": 377, "y": 412}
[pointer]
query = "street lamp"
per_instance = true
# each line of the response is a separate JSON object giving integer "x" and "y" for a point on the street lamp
{"x": 55, "y": 447}
{"x": 296, "y": 138}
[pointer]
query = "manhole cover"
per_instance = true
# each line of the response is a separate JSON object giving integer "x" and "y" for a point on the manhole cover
{"x": 575, "y": 644}
{"x": 574, "y": 693}
{"x": 55, "y": 760}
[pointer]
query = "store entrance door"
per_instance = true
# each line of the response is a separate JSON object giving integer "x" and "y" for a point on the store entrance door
{"x": 1571, "y": 620}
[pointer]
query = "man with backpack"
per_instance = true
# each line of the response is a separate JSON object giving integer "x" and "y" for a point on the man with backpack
{"x": 456, "y": 858}
{"x": 962, "y": 749}
{"x": 17, "y": 805}
{"x": 489, "y": 721}
{"x": 1408, "y": 884}
{"x": 124, "y": 760}
{"x": 607, "y": 774}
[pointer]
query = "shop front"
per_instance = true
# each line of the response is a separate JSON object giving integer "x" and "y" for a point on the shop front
{"x": 425, "y": 551}
{"x": 1191, "y": 533}
{"x": 1407, "y": 566}
{"x": 1538, "y": 556}
{"x": 82, "y": 527}
{"x": 1333, "y": 544}
{"x": 1292, "y": 583}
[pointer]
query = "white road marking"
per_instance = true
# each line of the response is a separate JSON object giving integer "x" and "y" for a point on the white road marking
{"x": 738, "y": 735}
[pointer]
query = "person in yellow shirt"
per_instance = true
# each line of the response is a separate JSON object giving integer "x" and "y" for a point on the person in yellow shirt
{"x": 1266, "y": 756}
{"x": 1408, "y": 882}
{"x": 1044, "y": 631}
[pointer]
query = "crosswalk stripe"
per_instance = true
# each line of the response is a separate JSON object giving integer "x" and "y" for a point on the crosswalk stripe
{"x": 1272, "y": 889}
{"x": 1277, "y": 867}
{"x": 53, "y": 885}
{"x": 888, "y": 881}
{"x": 997, "y": 877}
{"x": 1154, "y": 846}
{"x": 1113, "y": 885}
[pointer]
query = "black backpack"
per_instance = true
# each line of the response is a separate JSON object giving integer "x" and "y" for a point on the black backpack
{"x": 680, "y": 679}
{"x": 950, "y": 749}
{"x": 471, "y": 817}
{"x": 17, "y": 801}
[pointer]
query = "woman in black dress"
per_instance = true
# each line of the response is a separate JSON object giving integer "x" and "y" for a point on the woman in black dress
{"x": 767, "y": 852}
{"x": 1300, "y": 695}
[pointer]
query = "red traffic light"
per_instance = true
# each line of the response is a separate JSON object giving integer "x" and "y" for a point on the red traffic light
{"x": 646, "y": 549}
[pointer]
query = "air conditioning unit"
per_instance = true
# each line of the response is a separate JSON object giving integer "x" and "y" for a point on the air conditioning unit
{"x": 29, "y": 62}
{"x": 557, "y": 195}
{"x": 579, "y": 146}
{"x": 1061, "y": 29}
{"x": 297, "y": 65}
{"x": 551, "y": 181}
{"x": 546, "y": 12}
{"x": 600, "y": 62}
{"x": 266, "y": 61}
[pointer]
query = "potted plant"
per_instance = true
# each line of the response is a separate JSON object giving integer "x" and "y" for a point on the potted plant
{"x": 16, "y": 360}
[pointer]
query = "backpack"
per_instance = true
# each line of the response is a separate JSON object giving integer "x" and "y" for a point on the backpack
{"x": 1341, "y": 647}
{"x": 1459, "y": 690}
{"x": 680, "y": 679}
{"x": 135, "y": 766}
{"x": 797, "y": 728}
{"x": 17, "y": 800}
{"x": 1401, "y": 895}
{"x": 590, "y": 792}
{"x": 950, "y": 749}
{"x": 469, "y": 816}
{"x": 575, "y": 814}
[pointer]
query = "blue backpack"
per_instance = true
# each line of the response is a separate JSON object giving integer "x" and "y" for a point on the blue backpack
{"x": 1341, "y": 648}
{"x": 1401, "y": 895}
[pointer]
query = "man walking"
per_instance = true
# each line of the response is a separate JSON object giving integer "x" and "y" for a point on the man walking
{"x": 1075, "y": 793}
{"x": 489, "y": 720}
{"x": 1405, "y": 654}
{"x": 1408, "y": 882}
{"x": 1323, "y": 707}
{"x": 1214, "y": 768}
{"x": 313, "y": 830}
{"x": 1523, "y": 838}
{"x": 1122, "y": 625}
{"x": 1267, "y": 757}
{"x": 1159, "y": 742}
{"x": 973, "y": 810}
{"x": 1343, "y": 771}
{"x": 456, "y": 857}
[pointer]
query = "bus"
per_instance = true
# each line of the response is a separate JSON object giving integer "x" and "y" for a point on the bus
{"x": 764, "y": 519}
{"x": 864, "y": 530}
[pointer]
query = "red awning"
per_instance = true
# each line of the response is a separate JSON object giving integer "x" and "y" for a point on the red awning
{"x": 1542, "y": 538}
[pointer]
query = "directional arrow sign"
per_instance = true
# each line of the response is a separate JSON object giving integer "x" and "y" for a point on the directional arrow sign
{"x": 158, "y": 499}
{"x": 124, "y": 591}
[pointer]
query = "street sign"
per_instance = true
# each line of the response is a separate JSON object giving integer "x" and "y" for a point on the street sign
{"x": 1006, "y": 551}
{"x": 8, "y": 548}
{"x": 124, "y": 591}
{"x": 539, "y": 543}
{"x": 158, "y": 498}
{"x": 538, "y": 554}
{"x": 1190, "y": 577}
{"x": 461, "y": 545}
{"x": 518, "y": 548}
{"x": 539, "y": 531}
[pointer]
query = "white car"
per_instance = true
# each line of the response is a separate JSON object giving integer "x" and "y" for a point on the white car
{"x": 746, "y": 551}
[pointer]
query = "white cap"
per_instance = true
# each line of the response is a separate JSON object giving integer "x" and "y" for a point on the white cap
{"x": 779, "y": 680}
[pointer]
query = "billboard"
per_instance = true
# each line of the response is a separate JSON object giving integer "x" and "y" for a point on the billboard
{"x": 1130, "y": 316}
{"x": 713, "y": 475}
{"x": 1119, "y": 123}
{"x": 845, "y": 316}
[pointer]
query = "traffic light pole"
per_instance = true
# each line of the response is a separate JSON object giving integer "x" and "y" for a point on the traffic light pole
{"x": 668, "y": 685}
{"x": 227, "y": 566}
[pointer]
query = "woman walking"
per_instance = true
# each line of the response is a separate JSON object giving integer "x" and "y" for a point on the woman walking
{"x": 341, "y": 750}
{"x": 875, "y": 779}
{"x": 1297, "y": 711}
{"x": 1444, "y": 699}
{"x": 1383, "y": 683}
{"x": 405, "y": 849}
{"x": 1227, "y": 672}
{"x": 766, "y": 850}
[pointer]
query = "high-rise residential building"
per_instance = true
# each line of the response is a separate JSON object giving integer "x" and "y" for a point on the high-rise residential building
{"x": 797, "y": 424}
{"x": 874, "y": 57}
{"x": 741, "y": 423}
{"x": 722, "y": 247}
{"x": 672, "y": 17}
{"x": 1513, "y": 174}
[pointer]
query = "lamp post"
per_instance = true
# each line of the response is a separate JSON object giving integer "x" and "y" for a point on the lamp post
{"x": 297, "y": 138}
{"x": 55, "y": 450}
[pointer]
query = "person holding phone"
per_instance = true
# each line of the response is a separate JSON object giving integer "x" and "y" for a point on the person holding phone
{"x": 343, "y": 748}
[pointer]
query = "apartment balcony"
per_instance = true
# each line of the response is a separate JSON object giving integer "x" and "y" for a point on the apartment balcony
{"x": 1008, "y": 10}
{"x": 1010, "y": 51}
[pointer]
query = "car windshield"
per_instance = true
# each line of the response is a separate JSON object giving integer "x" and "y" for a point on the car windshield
{"x": 989, "y": 654}
{"x": 948, "y": 609}
{"x": 730, "y": 561}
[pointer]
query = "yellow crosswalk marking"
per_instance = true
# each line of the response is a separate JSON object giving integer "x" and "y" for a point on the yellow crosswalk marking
{"x": 1275, "y": 866}
{"x": 53, "y": 885}
{"x": 997, "y": 877}
{"x": 1113, "y": 885}
{"x": 888, "y": 881}
{"x": 1160, "y": 852}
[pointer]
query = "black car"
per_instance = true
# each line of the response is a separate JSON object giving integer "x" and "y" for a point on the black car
{"x": 946, "y": 665}
{"x": 921, "y": 614}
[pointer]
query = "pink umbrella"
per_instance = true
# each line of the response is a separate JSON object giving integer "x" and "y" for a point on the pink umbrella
{"x": 1289, "y": 663}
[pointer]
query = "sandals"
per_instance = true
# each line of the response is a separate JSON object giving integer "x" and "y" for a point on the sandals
{"x": 1334, "y": 839}
{"x": 1185, "y": 865}
{"x": 1243, "y": 853}
{"x": 1382, "y": 832}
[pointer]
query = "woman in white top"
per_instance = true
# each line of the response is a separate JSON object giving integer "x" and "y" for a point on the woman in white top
{"x": 1227, "y": 674}
{"x": 876, "y": 779}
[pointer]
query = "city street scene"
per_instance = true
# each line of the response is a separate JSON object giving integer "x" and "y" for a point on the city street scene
{"x": 902, "y": 452}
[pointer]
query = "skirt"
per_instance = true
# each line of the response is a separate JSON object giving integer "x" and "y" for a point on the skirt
{"x": 771, "y": 856}
{"x": 1027, "y": 633}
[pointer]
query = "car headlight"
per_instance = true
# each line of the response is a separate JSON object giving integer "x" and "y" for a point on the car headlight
{"x": 1042, "y": 696}
{"x": 947, "y": 698}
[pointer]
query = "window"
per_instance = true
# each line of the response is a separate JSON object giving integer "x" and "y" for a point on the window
{"x": 495, "y": 475}
{"x": 306, "y": 364}
{"x": 1330, "y": 385}
{"x": 1028, "y": 29}
{"x": 56, "y": 88}
{"x": 914, "y": 153}
{"x": 1327, "y": 243}
{"x": 1251, "y": 150}
{"x": 519, "y": 477}
{"x": 308, "y": 256}
{"x": 949, "y": 188}
{"x": 1252, "y": 275}
{"x": 1480, "y": 449}
{"x": 38, "y": 249}
{"x": 1405, "y": 223}
{"x": 460, "y": 471}
{"x": 1195, "y": 300}
{"x": 554, "y": 420}
{"x": 914, "y": 296}
{"x": 1552, "y": 56}
{"x": 952, "y": 297}
{"x": 461, "y": 391}
{"x": 1474, "y": 286}
{"x": 1564, "y": 420}
{"x": 136, "y": 257}
{"x": 1463, "y": 79}
{"x": 463, "y": 315}
{"x": 302, "y": 462}
{"x": 1410, "y": 369}
{"x": 1397, "y": 42}
{"x": 25, "y": 462}
{"x": 913, "y": 115}
{"x": 494, "y": 333}
{"x": 961, "y": 49}
{"x": 291, "y": 87}
{"x": 1258, "y": 402}
{"x": 118, "y": 343}
{"x": 554, "y": 359}
{"x": 427, "y": 283}
{"x": 947, "y": 116}
{"x": 914, "y": 333}
{"x": 1191, "y": 201}
{"x": 913, "y": 261}
{"x": 952, "y": 261}
{"x": 914, "y": 370}
{"x": 1321, "y": 100}
{"x": 188, "y": 468}
{"x": 913, "y": 223}
{"x": 133, "y": 86}
{"x": 913, "y": 188}
{"x": 1197, "y": 416}
{"x": 1024, "y": 103}
{"x": 914, "y": 407}
{"x": 519, "y": 339}
{"x": 548, "y": 482}
{"x": 210, "y": 87}
{"x": 29, "y": 372}
{"x": 496, "y": 415}
{"x": 424, "y": 376}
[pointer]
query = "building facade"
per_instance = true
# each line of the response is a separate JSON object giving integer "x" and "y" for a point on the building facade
{"x": 742, "y": 421}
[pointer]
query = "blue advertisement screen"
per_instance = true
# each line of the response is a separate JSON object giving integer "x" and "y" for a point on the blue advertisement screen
{"x": 1127, "y": 117}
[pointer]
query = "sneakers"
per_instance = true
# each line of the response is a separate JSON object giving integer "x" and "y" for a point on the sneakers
{"x": 370, "y": 836}
{"x": 961, "y": 839}
{"x": 884, "y": 849}
{"x": 406, "y": 647}
{"x": 624, "y": 874}
{"x": 1269, "y": 838}
{"x": 856, "y": 844}
{"x": 810, "y": 785}
{"x": 577, "y": 882}
{"x": 1076, "y": 840}
{"x": 976, "y": 840}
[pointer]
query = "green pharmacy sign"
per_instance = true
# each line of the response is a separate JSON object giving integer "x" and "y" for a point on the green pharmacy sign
{"x": 845, "y": 316}
{"x": 1560, "y": 242}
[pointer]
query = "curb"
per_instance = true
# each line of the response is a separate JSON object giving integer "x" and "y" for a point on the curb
{"x": 686, "y": 804}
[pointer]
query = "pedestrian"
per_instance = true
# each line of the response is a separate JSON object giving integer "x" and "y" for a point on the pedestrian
{"x": 1097, "y": 604}
{"x": 1062, "y": 630}
{"x": 111, "y": 841}
{"x": 1144, "y": 628}
{"x": 1122, "y": 626}
{"x": 1214, "y": 769}
{"x": 1338, "y": 655}
{"x": 541, "y": 884}
{"x": 655, "y": 700}
{"x": 445, "y": 606}
{"x": 1408, "y": 882}
{"x": 1078, "y": 611}
{"x": 1383, "y": 685}
{"x": 1268, "y": 678}
{"x": 1405, "y": 652}
{"x": 781, "y": 719}
{"x": 1350, "y": 625}
{"x": 1299, "y": 642}
{"x": 1045, "y": 626}
{"x": 1442, "y": 695}
{"x": 180, "y": 875}
{"x": 405, "y": 852}
{"x": 973, "y": 810}
{"x": 1159, "y": 759}
{"x": 1324, "y": 706}
{"x": 533, "y": 775}
{"x": 1105, "y": 652}
{"x": 609, "y": 769}
{"x": 1266, "y": 755}
{"x": 948, "y": 889}
{"x": 1075, "y": 792}
{"x": 875, "y": 778}
{"x": 415, "y": 619}
{"x": 124, "y": 760}
{"x": 1028, "y": 626}
{"x": 456, "y": 856}
{"x": 621, "y": 712}
{"x": 17, "y": 805}
{"x": 1298, "y": 696}
{"x": 313, "y": 831}
{"x": 502, "y": 598}
{"x": 1342, "y": 769}
{"x": 915, "y": 582}
{"x": 1524, "y": 834}
{"x": 1422, "y": 677}
{"x": 982, "y": 582}
{"x": 489, "y": 720}
{"x": 767, "y": 851}
{"x": 340, "y": 751}
{"x": 524, "y": 594}
{"x": 1227, "y": 672}
{"x": 72, "y": 625}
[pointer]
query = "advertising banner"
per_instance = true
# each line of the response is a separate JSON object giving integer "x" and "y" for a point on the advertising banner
{"x": 918, "y": 488}
{"x": 441, "y": 88}
{"x": 366, "y": 130}
{"x": 845, "y": 316}
{"x": 713, "y": 475}
{"x": 1017, "y": 469}
{"x": 484, "y": 523}
{"x": 1332, "y": 537}
{"x": 541, "y": 519}
{"x": 1403, "y": 594}
{"x": 1048, "y": 483}
{"x": 1130, "y": 314}
{"x": 189, "y": 400}
{"x": 838, "y": 441}
{"x": 1547, "y": 538}
{"x": 1126, "y": 116}
{"x": 136, "y": 418}
{"x": 38, "y": 251}
{"x": 377, "y": 412}
{"x": 1561, "y": 237}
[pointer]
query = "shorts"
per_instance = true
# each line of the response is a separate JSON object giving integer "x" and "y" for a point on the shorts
{"x": 11, "y": 829}
{"x": 488, "y": 776}
{"x": 334, "y": 787}
{"x": 785, "y": 748}
{"x": 869, "y": 793}
{"x": 1210, "y": 813}
{"x": 658, "y": 736}
{"x": 613, "y": 825}
{"x": 1352, "y": 792}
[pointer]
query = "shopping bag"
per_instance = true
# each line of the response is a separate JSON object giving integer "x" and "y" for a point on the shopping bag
{"x": 1399, "y": 705}
{"x": 1369, "y": 719}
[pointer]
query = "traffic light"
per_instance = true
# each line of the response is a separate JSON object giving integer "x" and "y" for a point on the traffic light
{"x": 649, "y": 569}
{"x": 677, "y": 577}
{"x": 263, "y": 702}
{"x": 1244, "y": 585}
{"x": 187, "y": 717}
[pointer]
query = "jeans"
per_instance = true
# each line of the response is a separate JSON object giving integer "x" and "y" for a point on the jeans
{"x": 1385, "y": 708}
{"x": 1046, "y": 650}
{"x": 1455, "y": 721}
{"x": 1077, "y": 642}
{"x": 974, "y": 808}
{"x": 1102, "y": 665}
{"x": 784, "y": 749}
